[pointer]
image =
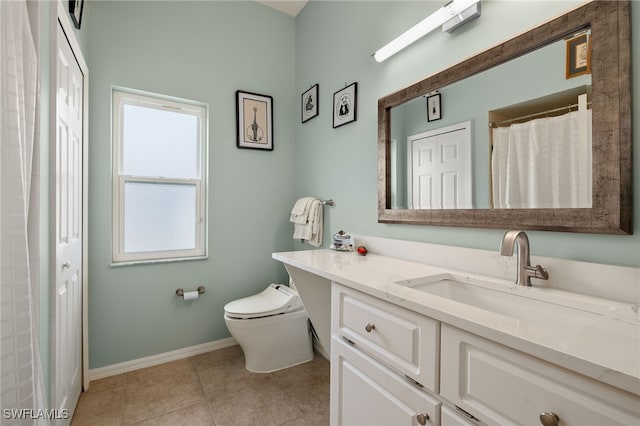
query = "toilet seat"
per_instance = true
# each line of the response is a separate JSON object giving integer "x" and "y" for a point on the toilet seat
{"x": 275, "y": 299}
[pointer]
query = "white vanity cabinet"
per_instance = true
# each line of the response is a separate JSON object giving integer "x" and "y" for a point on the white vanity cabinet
{"x": 393, "y": 366}
{"x": 365, "y": 392}
{"x": 402, "y": 355}
{"x": 382, "y": 357}
{"x": 501, "y": 386}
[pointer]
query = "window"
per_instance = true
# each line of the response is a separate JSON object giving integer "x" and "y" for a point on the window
{"x": 159, "y": 171}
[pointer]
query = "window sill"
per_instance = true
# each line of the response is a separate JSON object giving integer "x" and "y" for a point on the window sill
{"x": 152, "y": 261}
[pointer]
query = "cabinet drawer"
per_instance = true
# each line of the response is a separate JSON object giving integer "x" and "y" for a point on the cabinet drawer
{"x": 364, "y": 392}
{"x": 503, "y": 386}
{"x": 404, "y": 340}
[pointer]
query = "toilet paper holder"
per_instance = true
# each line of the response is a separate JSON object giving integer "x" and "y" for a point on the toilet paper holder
{"x": 180, "y": 292}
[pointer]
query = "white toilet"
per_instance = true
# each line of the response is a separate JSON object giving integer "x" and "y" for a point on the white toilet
{"x": 272, "y": 329}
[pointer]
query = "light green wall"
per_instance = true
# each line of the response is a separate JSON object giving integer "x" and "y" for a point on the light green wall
{"x": 334, "y": 44}
{"x": 203, "y": 51}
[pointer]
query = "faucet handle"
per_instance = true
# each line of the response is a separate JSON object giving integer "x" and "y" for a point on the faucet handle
{"x": 537, "y": 272}
{"x": 541, "y": 273}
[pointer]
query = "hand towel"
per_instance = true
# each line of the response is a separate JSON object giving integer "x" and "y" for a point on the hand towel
{"x": 300, "y": 210}
{"x": 308, "y": 225}
{"x": 316, "y": 225}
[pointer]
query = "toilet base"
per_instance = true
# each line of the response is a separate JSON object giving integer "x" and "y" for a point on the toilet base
{"x": 273, "y": 343}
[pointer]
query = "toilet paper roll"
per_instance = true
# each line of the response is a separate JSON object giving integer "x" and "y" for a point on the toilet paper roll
{"x": 191, "y": 295}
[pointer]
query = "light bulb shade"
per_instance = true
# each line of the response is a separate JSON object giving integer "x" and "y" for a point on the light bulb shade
{"x": 423, "y": 27}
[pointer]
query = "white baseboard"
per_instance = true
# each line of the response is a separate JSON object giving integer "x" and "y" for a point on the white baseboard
{"x": 150, "y": 361}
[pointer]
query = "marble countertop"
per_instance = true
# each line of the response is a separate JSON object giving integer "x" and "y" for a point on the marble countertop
{"x": 607, "y": 348}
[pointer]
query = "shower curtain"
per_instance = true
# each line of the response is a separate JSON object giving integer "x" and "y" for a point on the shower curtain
{"x": 543, "y": 163}
{"x": 21, "y": 379}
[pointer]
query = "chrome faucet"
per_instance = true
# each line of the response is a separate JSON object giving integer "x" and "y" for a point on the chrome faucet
{"x": 525, "y": 270}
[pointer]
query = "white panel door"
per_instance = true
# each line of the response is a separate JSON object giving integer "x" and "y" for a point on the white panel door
{"x": 67, "y": 339}
{"x": 440, "y": 168}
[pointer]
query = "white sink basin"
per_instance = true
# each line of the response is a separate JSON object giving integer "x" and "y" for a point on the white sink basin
{"x": 528, "y": 306}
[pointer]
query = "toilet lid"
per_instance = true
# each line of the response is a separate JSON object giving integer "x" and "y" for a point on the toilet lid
{"x": 275, "y": 299}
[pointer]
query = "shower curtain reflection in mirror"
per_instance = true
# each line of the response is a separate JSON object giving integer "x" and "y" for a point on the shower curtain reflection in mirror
{"x": 543, "y": 163}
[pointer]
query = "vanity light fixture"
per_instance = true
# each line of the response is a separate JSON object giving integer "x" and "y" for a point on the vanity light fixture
{"x": 450, "y": 16}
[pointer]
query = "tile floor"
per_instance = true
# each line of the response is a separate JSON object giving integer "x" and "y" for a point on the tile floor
{"x": 209, "y": 389}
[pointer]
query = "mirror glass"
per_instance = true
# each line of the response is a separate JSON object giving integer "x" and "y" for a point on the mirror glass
{"x": 534, "y": 133}
{"x": 530, "y": 106}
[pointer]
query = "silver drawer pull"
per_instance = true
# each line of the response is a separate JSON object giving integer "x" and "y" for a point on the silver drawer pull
{"x": 66, "y": 265}
{"x": 549, "y": 419}
{"x": 369, "y": 327}
{"x": 422, "y": 418}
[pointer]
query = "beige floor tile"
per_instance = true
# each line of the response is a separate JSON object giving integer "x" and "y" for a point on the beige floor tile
{"x": 273, "y": 414}
{"x": 300, "y": 421}
{"x": 304, "y": 380}
{"x": 209, "y": 389}
{"x": 308, "y": 386}
{"x": 160, "y": 394}
{"x": 231, "y": 354}
{"x": 158, "y": 373}
{"x": 223, "y": 379}
{"x": 266, "y": 393}
{"x": 314, "y": 408}
{"x": 100, "y": 408}
{"x": 108, "y": 383}
{"x": 194, "y": 415}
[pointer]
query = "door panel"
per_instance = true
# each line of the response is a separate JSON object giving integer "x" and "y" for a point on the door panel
{"x": 67, "y": 339}
{"x": 440, "y": 168}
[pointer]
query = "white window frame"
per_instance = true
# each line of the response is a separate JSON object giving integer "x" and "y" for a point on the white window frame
{"x": 121, "y": 97}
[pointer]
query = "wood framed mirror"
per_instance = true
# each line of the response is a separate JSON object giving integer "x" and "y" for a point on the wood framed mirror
{"x": 608, "y": 23}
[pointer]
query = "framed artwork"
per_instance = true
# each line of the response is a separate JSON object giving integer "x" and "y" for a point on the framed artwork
{"x": 75, "y": 10}
{"x": 309, "y": 105}
{"x": 434, "y": 107}
{"x": 578, "y": 56}
{"x": 345, "y": 105}
{"x": 254, "y": 117}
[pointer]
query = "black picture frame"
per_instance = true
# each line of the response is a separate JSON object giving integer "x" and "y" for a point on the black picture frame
{"x": 310, "y": 103}
{"x": 345, "y": 105}
{"x": 254, "y": 120}
{"x": 434, "y": 107}
{"x": 75, "y": 10}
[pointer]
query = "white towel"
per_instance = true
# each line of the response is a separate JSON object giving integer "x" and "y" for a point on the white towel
{"x": 301, "y": 205}
{"x": 308, "y": 225}
{"x": 300, "y": 210}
